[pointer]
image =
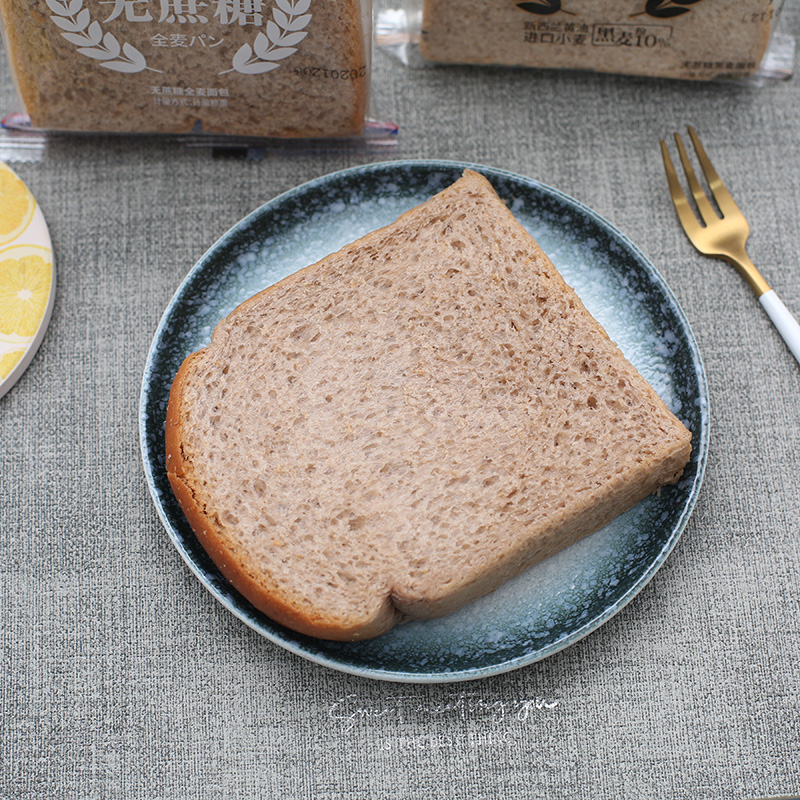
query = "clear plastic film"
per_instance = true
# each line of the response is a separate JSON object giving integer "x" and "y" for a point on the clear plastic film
{"x": 288, "y": 70}
{"x": 684, "y": 39}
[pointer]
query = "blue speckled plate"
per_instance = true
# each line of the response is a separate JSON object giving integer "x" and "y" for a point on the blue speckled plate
{"x": 557, "y": 602}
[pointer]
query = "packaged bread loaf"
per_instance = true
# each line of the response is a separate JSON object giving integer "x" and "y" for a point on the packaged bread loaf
{"x": 403, "y": 426}
{"x": 268, "y": 68}
{"x": 693, "y": 39}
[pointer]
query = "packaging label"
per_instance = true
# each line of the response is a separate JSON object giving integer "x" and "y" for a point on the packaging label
{"x": 284, "y": 28}
{"x": 276, "y": 68}
{"x": 697, "y": 39}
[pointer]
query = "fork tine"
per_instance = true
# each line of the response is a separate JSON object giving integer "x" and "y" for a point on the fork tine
{"x": 723, "y": 197}
{"x": 703, "y": 205}
{"x": 679, "y": 199}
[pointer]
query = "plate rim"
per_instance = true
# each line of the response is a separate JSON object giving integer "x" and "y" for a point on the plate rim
{"x": 467, "y": 674}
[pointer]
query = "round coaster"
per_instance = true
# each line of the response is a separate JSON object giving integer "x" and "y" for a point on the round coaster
{"x": 27, "y": 277}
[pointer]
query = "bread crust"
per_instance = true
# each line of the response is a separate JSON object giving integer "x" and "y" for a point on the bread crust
{"x": 267, "y": 599}
{"x": 420, "y": 596}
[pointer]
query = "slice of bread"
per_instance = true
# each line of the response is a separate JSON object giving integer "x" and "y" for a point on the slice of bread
{"x": 408, "y": 423}
{"x": 696, "y": 40}
{"x": 139, "y": 67}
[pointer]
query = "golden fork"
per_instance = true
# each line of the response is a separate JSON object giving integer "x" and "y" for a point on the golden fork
{"x": 723, "y": 236}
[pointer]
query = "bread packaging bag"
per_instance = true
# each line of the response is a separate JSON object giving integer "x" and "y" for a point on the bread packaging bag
{"x": 266, "y": 68}
{"x": 689, "y": 39}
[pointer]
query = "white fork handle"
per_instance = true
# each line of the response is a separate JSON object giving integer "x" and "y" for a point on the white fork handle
{"x": 783, "y": 320}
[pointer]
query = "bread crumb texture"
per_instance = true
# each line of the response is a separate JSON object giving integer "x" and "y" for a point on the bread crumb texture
{"x": 410, "y": 422}
{"x": 694, "y": 39}
{"x": 285, "y": 68}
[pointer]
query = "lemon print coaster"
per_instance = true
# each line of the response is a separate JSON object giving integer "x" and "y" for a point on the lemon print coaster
{"x": 27, "y": 277}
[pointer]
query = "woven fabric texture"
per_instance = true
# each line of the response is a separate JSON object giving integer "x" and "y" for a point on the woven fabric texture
{"x": 123, "y": 678}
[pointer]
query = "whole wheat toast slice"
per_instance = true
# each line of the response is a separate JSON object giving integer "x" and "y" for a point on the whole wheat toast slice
{"x": 403, "y": 426}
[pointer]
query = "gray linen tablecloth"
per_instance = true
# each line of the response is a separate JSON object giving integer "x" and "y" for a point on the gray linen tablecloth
{"x": 123, "y": 678}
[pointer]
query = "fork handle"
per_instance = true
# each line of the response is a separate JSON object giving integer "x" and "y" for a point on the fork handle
{"x": 783, "y": 320}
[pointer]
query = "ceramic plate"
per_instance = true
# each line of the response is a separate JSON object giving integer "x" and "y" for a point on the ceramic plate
{"x": 558, "y": 601}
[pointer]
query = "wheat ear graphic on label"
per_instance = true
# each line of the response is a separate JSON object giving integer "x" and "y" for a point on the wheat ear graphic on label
{"x": 664, "y": 9}
{"x": 283, "y": 32}
{"x": 78, "y": 28}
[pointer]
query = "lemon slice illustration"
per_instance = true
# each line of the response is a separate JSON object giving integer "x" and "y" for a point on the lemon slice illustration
{"x": 10, "y": 360}
{"x": 27, "y": 277}
{"x": 26, "y": 272}
{"x": 17, "y": 205}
